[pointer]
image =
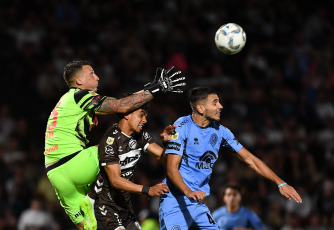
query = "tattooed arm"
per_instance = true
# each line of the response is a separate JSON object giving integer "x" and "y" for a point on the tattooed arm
{"x": 112, "y": 105}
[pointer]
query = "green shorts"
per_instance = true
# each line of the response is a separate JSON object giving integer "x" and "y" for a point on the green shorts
{"x": 71, "y": 180}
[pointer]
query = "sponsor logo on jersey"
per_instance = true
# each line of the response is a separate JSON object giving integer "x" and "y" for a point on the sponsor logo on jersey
{"x": 109, "y": 150}
{"x": 236, "y": 141}
{"x": 175, "y": 136}
{"x": 196, "y": 141}
{"x": 48, "y": 135}
{"x": 213, "y": 139}
{"x": 174, "y": 145}
{"x": 206, "y": 161}
{"x": 127, "y": 174}
{"x": 132, "y": 144}
{"x": 176, "y": 227}
{"x": 110, "y": 140}
{"x": 146, "y": 135}
{"x": 77, "y": 214}
{"x": 51, "y": 149}
{"x": 183, "y": 123}
{"x": 129, "y": 159}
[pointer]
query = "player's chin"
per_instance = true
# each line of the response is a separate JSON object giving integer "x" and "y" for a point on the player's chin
{"x": 216, "y": 118}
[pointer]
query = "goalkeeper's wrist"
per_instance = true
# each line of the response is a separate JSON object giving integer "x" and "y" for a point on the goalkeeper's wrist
{"x": 153, "y": 89}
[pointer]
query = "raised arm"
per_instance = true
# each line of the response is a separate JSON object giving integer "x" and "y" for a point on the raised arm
{"x": 112, "y": 105}
{"x": 165, "y": 81}
{"x": 261, "y": 168}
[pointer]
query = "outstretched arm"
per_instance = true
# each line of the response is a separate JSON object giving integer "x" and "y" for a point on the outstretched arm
{"x": 173, "y": 173}
{"x": 127, "y": 104}
{"x": 261, "y": 168}
{"x": 165, "y": 81}
{"x": 114, "y": 173}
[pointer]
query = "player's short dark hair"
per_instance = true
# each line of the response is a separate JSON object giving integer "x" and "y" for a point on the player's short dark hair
{"x": 198, "y": 94}
{"x": 71, "y": 69}
{"x": 232, "y": 186}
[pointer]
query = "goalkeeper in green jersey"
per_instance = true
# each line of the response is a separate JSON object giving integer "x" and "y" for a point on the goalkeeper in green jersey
{"x": 70, "y": 165}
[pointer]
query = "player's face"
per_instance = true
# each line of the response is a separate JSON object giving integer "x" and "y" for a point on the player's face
{"x": 232, "y": 197}
{"x": 137, "y": 120}
{"x": 88, "y": 78}
{"x": 212, "y": 108}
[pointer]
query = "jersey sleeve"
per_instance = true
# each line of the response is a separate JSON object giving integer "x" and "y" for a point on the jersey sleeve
{"x": 108, "y": 151}
{"x": 229, "y": 142}
{"x": 88, "y": 100}
{"x": 177, "y": 143}
{"x": 145, "y": 140}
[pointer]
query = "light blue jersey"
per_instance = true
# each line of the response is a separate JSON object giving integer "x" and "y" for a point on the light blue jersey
{"x": 242, "y": 218}
{"x": 199, "y": 149}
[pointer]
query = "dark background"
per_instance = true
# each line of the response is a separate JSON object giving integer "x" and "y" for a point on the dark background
{"x": 277, "y": 92}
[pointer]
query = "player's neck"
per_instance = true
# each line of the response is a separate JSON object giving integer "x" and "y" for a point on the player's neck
{"x": 200, "y": 120}
{"x": 232, "y": 209}
{"x": 125, "y": 128}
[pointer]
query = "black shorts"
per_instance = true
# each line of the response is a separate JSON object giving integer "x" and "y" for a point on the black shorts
{"x": 111, "y": 217}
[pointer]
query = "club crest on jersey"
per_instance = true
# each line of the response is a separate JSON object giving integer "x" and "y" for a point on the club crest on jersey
{"x": 110, "y": 140}
{"x": 132, "y": 144}
{"x": 213, "y": 139}
{"x": 109, "y": 150}
{"x": 175, "y": 136}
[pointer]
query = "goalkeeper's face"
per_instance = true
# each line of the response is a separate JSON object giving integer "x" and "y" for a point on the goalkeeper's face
{"x": 87, "y": 79}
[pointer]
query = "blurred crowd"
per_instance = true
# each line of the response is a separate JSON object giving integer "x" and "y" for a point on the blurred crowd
{"x": 277, "y": 93}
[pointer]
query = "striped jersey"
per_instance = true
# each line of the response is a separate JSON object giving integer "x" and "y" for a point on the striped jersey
{"x": 70, "y": 122}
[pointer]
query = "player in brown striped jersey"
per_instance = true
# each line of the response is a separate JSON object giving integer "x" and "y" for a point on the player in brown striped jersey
{"x": 119, "y": 152}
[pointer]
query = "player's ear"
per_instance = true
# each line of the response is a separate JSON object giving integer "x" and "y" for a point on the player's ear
{"x": 78, "y": 79}
{"x": 126, "y": 117}
{"x": 200, "y": 108}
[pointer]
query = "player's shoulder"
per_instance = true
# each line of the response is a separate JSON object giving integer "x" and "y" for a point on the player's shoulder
{"x": 111, "y": 135}
{"x": 219, "y": 211}
{"x": 182, "y": 122}
{"x": 79, "y": 94}
{"x": 245, "y": 210}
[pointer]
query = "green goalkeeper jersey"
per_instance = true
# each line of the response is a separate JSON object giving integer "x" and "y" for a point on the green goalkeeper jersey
{"x": 70, "y": 122}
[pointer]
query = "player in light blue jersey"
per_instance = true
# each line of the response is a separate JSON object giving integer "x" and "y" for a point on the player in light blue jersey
{"x": 233, "y": 216}
{"x": 191, "y": 153}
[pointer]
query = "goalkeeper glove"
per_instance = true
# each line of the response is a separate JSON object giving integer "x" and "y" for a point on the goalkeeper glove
{"x": 166, "y": 81}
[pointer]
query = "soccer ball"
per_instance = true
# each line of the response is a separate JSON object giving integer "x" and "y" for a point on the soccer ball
{"x": 230, "y": 38}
